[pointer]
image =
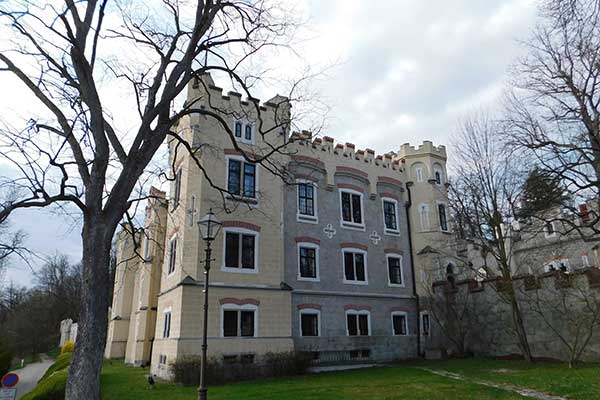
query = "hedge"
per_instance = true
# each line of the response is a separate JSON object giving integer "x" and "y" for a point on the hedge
{"x": 53, "y": 383}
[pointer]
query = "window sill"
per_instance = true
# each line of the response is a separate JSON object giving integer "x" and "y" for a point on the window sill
{"x": 241, "y": 199}
{"x": 400, "y": 285}
{"x": 391, "y": 232}
{"x": 353, "y": 226}
{"x": 308, "y": 219}
{"x": 300, "y": 278}
{"x": 239, "y": 270}
{"x": 361, "y": 283}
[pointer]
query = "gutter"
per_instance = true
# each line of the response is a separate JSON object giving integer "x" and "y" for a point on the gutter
{"x": 407, "y": 206}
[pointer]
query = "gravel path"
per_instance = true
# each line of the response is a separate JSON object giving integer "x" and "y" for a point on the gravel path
{"x": 534, "y": 394}
{"x": 30, "y": 375}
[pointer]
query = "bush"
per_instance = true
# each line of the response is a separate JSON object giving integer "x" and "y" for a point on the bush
{"x": 186, "y": 370}
{"x": 5, "y": 359}
{"x": 50, "y": 388}
{"x": 62, "y": 363}
{"x": 68, "y": 347}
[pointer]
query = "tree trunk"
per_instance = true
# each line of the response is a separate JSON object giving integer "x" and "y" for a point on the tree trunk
{"x": 518, "y": 324}
{"x": 84, "y": 373}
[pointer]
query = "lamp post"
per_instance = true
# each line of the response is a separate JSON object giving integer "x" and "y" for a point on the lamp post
{"x": 209, "y": 226}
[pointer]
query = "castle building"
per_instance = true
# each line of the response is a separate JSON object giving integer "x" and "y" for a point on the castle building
{"x": 325, "y": 261}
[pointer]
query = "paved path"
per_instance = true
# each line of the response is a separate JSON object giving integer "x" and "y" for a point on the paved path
{"x": 526, "y": 392}
{"x": 30, "y": 375}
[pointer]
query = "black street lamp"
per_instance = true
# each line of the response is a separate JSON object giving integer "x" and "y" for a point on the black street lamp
{"x": 209, "y": 226}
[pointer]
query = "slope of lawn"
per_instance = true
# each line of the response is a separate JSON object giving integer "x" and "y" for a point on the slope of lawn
{"x": 556, "y": 378}
{"x": 399, "y": 382}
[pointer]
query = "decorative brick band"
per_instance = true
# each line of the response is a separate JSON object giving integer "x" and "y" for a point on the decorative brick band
{"x": 309, "y": 305}
{"x": 239, "y": 302}
{"x": 307, "y": 239}
{"x": 308, "y": 160}
{"x": 307, "y": 177}
{"x": 390, "y": 195}
{"x": 395, "y": 309}
{"x": 350, "y": 145}
{"x": 353, "y": 245}
{"x": 356, "y": 307}
{"x": 370, "y": 151}
{"x": 241, "y": 224}
{"x": 392, "y": 250}
{"x": 328, "y": 139}
{"x": 388, "y": 180}
{"x": 351, "y": 170}
{"x": 234, "y": 152}
{"x": 350, "y": 186}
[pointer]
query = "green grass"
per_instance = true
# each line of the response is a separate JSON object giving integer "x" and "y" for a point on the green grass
{"x": 62, "y": 362}
{"x": 397, "y": 382}
{"x": 555, "y": 378}
{"x": 54, "y": 353}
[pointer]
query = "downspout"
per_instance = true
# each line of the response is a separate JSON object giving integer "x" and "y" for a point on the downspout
{"x": 407, "y": 206}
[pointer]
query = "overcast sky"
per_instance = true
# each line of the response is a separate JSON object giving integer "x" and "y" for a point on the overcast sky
{"x": 403, "y": 71}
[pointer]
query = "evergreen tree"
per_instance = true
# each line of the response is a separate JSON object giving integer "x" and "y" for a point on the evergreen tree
{"x": 542, "y": 191}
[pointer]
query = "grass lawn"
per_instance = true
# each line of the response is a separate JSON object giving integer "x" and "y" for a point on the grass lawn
{"x": 397, "y": 382}
{"x": 582, "y": 382}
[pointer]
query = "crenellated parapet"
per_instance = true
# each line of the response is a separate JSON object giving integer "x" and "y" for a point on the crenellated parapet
{"x": 426, "y": 148}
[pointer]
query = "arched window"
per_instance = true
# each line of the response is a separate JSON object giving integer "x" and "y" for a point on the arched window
{"x": 424, "y": 216}
{"x": 438, "y": 177}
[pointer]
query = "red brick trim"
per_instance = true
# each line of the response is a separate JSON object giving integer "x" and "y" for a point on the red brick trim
{"x": 239, "y": 302}
{"x": 307, "y": 239}
{"x": 350, "y": 145}
{"x": 307, "y": 177}
{"x": 351, "y": 170}
{"x": 390, "y": 195}
{"x": 403, "y": 309}
{"x": 308, "y": 160}
{"x": 234, "y": 152}
{"x": 392, "y": 250}
{"x": 356, "y": 307}
{"x": 353, "y": 245}
{"x": 309, "y": 305}
{"x": 241, "y": 224}
{"x": 391, "y": 181}
{"x": 328, "y": 139}
{"x": 371, "y": 151}
{"x": 350, "y": 186}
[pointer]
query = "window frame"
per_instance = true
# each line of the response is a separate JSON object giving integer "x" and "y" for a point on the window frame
{"x": 241, "y": 231}
{"x": 147, "y": 256}
{"x": 445, "y": 206}
{"x": 419, "y": 171}
{"x": 397, "y": 314}
{"x": 354, "y": 250}
{"x": 311, "y": 246}
{"x": 172, "y": 258}
{"x": 357, "y": 313}
{"x": 239, "y": 308}
{"x": 437, "y": 171}
{"x": 386, "y": 230}
{"x": 424, "y": 228}
{"x": 311, "y": 219}
{"x": 167, "y": 329}
{"x": 422, "y": 316}
{"x": 351, "y": 224}
{"x": 387, "y": 264}
{"x": 241, "y": 196}
{"x": 548, "y": 235}
{"x": 309, "y": 311}
{"x": 242, "y": 137}
{"x": 177, "y": 187}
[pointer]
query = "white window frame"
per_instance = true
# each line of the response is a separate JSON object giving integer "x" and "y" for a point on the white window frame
{"x": 311, "y": 219}
{"x": 311, "y": 246}
{"x": 556, "y": 264}
{"x": 419, "y": 171}
{"x": 585, "y": 261}
{"x": 421, "y": 319}
{"x": 171, "y": 257}
{"x": 242, "y": 138}
{"x": 386, "y": 231}
{"x": 237, "y": 307}
{"x": 358, "y": 312}
{"x": 311, "y": 311}
{"x": 167, "y": 311}
{"x": 241, "y": 231}
{"x": 549, "y": 235}
{"x": 438, "y": 170}
{"x": 352, "y": 225}
{"x": 241, "y": 196}
{"x": 424, "y": 227}
{"x": 177, "y": 187}
{"x": 441, "y": 203}
{"x": 147, "y": 247}
{"x": 396, "y": 314}
{"x": 354, "y": 250}
{"x": 387, "y": 265}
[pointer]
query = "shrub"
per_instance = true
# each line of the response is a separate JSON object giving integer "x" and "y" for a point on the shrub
{"x": 62, "y": 363}
{"x": 5, "y": 359}
{"x": 68, "y": 347}
{"x": 186, "y": 370}
{"x": 50, "y": 388}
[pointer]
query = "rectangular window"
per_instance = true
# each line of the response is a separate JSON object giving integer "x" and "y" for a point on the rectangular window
{"x": 358, "y": 324}
{"x": 389, "y": 214}
{"x": 234, "y": 177}
{"x": 308, "y": 262}
{"x": 395, "y": 270}
{"x": 167, "y": 325}
{"x": 177, "y": 189}
{"x": 306, "y": 199}
{"x": 172, "y": 255}
{"x": 442, "y": 214}
{"x": 238, "y": 129}
{"x": 147, "y": 248}
{"x": 425, "y": 324}
{"x": 238, "y": 323}
{"x": 309, "y": 324}
{"x": 249, "y": 180}
{"x": 248, "y": 132}
{"x": 354, "y": 266}
{"x": 351, "y": 208}
{"x": 241, "y": 178}
{"x": 240, "y": 250}
{"x": 399, "y": 321}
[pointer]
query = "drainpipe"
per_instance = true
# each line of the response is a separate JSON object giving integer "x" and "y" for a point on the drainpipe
{"x": 407, "y": 206}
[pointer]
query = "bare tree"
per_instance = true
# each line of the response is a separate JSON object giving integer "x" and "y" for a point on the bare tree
{"x": 487, "y": 182}
{"x": 554, "y": 109}
{"x": 75, "y": 153}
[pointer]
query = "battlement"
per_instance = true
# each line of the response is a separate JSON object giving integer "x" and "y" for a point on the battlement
{"x": 426, "y": 148}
